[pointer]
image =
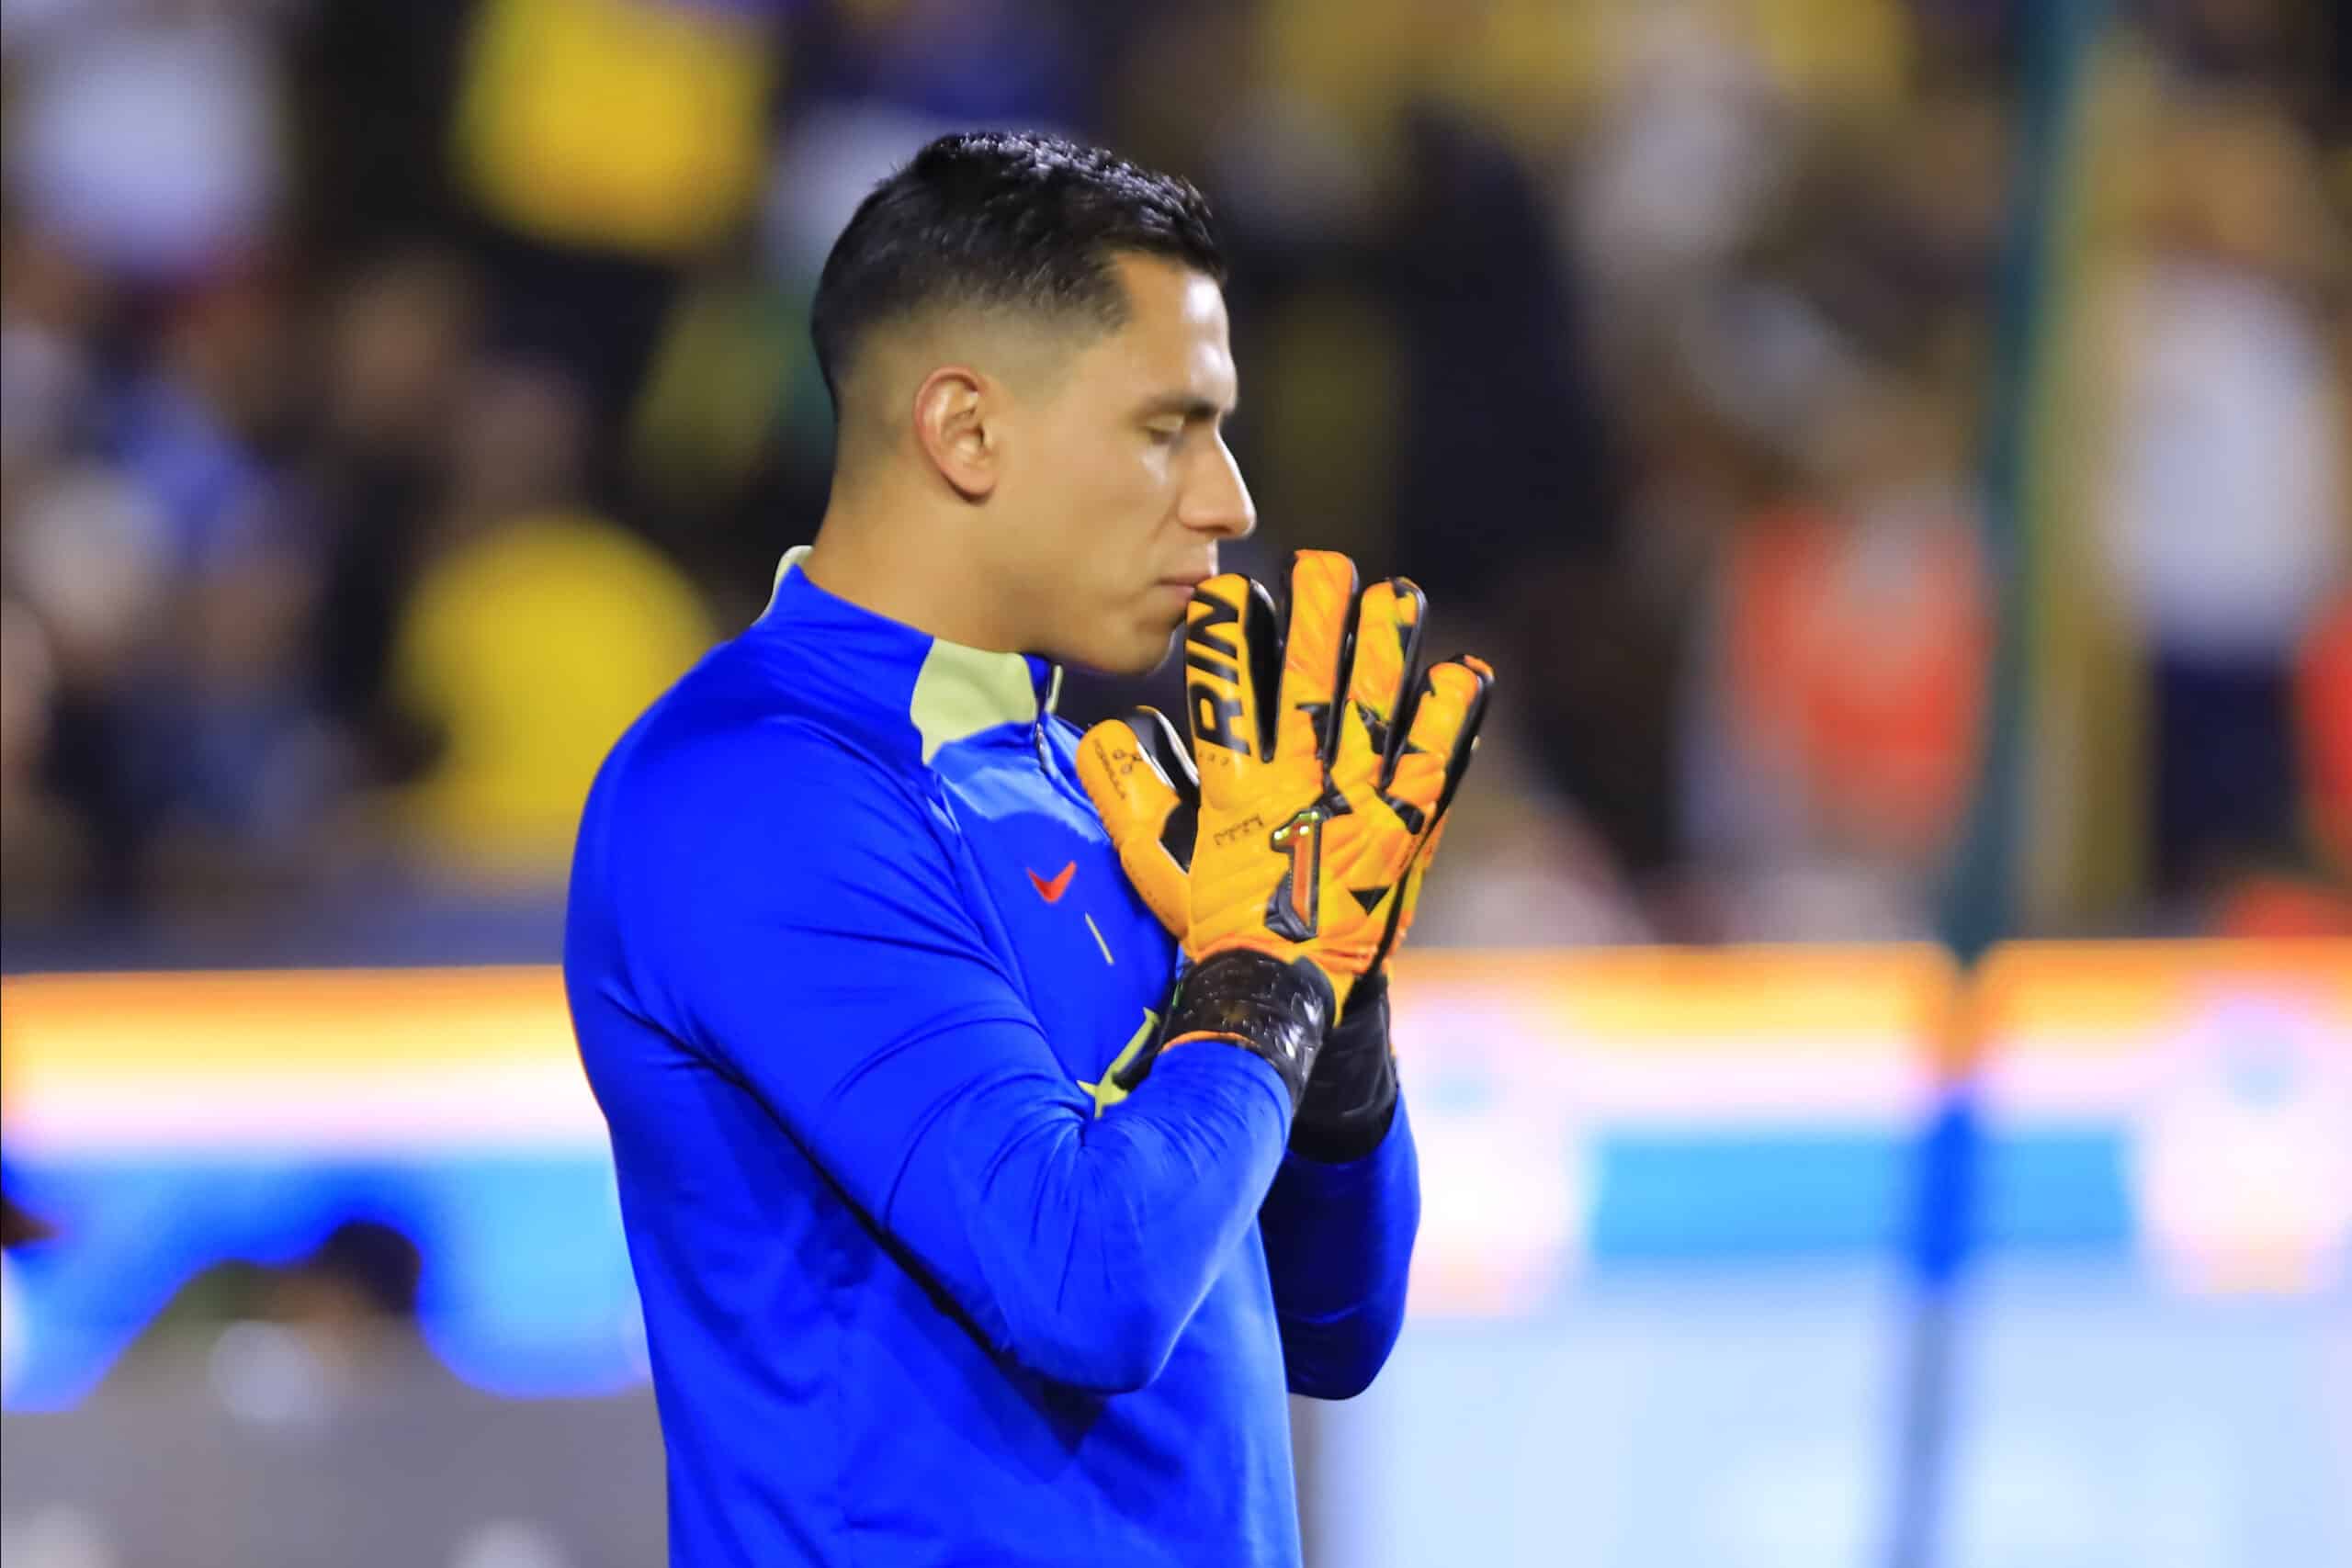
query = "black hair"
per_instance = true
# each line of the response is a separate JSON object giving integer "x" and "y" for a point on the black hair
{"x": 997, "y": 220}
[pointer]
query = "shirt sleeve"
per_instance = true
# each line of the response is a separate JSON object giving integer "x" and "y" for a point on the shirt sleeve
{"x": 1340, "y": 1248}
{"x": 794, "y": 918}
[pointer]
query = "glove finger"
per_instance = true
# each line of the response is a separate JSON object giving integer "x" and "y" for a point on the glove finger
{"x": 1315, "y": 650}
{"x": 1386, "y": 646}
{"x": 1263, "y": 629}
{"x": 1232, "y": 640}
{"x": 1441, "y": 731}
{"x": 1409, "y": 896}
{"x": 1465, "y": 741}
{"x": 1136, "y": 772}
{"x": 1457, "y": 763}
{"x": 1164, "y": 753}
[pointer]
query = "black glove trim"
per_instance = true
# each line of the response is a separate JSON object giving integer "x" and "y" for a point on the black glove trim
{"x": 1277, "y": 1011}
{"x": 1352, "y": 1100}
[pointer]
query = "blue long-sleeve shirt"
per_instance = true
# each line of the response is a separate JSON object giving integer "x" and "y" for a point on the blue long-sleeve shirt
{"x": 850, "y": 957}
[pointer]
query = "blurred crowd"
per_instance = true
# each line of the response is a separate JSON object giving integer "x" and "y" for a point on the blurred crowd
{"x": 398, "y": 394}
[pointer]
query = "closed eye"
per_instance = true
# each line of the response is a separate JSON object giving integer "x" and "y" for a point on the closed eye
{"x": 1167, "y": 419}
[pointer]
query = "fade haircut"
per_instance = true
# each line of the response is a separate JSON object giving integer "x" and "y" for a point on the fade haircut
{"x": 1002, "y": 221}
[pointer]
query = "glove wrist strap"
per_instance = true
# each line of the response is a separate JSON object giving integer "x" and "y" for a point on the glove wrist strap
{"x": 1275, "y": 1011}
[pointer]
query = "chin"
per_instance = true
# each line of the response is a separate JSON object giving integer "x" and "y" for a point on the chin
{"x": 1156, "y": 648}
{"x": 1133, "y": 657}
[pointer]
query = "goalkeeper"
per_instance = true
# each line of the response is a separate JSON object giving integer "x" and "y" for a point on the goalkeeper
{"x": 968, "y": 1230}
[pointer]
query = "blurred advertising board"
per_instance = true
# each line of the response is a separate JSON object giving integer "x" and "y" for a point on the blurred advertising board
{"x": 1584, "y": 1110}
{"x": 2188, "y": 1104}
{"x": 166, "y": 1123}
{"x": 1579, "y": 1113}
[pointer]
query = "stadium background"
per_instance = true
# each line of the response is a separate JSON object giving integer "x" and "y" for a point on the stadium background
{"x": 1882, "y": 1041}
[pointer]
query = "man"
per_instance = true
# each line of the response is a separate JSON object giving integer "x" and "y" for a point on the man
{"x": 961, "y": 1240}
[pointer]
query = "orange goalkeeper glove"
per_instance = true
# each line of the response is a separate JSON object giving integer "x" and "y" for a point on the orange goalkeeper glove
{"x": 1289, "y": 867}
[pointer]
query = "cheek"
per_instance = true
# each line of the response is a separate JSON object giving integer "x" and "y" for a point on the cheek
{"x": 1118, "y": 501}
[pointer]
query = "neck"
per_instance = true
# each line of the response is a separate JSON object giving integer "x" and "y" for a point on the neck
{"x": 908, "y": 565}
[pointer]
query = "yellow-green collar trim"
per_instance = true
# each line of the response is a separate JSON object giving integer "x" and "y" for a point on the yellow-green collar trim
{"x": 961, "y": 691}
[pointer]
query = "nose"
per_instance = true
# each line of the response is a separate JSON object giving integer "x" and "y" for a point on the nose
{"x": 1217, "y": 502}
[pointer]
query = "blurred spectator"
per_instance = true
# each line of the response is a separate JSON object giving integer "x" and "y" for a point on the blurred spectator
{"x": 2226, "y": 501}
{"x": 1647, "y": 338}
{"x": 1507, "y": 500}
{"x": 605, "y": 144}
{"x": 291, "y": 1344}
{"x": 63, "y": 626}
{"x": 147, "y": 141}
{"x": 536, "y": 634}
{"x": 364, "y": 1272}
{"x": 605, "y": 125}
{"x": 50, "y": 302}
{"x": 397, "y": 340}
{"x": 1689, "y": 144}
{"x": 208, "y": 743}
{"x": 1842, "y": 695}
{"x": 965, "y": 62}
{"x": 370, "y": 89}
{"x": 145, "y": 532}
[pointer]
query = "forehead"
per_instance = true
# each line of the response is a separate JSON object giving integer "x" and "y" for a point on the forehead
{"x": 1176, "y": 335}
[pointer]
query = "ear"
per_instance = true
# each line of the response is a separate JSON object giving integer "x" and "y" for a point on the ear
{"x": 952, "y": 411}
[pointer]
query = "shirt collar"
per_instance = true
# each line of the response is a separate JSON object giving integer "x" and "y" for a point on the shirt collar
{"x": 958, "y": 692}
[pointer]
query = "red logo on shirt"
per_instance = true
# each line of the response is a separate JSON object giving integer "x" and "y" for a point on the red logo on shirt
{"x": 1051, "y": 892}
